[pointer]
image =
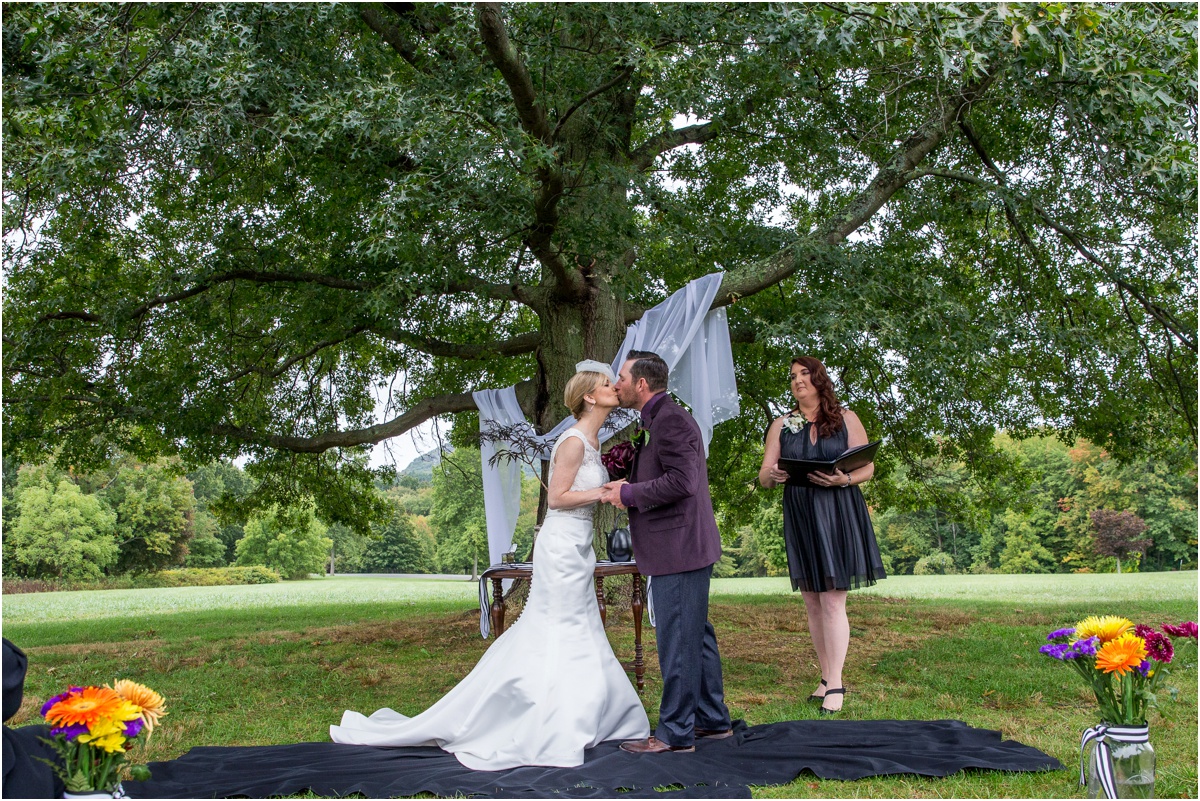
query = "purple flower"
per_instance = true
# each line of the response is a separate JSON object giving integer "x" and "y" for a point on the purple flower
{"x": 1061, "y": 634}
{"x": 1143, "y": 631}
{"x": 46, "y": 706}
{"x": 1144, "y": 668}
{"x": 1182, "y": 630}
{"x": 1056, "y": 650}
{"x": 134, "y": 727}
{"x": 1160, "y": 648}
{"x": 1084, "y": 648}
{"x": 70, "y": 732}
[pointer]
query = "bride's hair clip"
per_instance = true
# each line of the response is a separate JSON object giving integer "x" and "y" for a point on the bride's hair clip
{"x": 593, "y": 366}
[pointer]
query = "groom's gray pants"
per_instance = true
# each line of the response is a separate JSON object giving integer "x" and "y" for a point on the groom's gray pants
{"x": 693, "y": 693}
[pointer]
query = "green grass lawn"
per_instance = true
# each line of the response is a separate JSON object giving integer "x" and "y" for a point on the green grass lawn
{"x": 269, "y": 664}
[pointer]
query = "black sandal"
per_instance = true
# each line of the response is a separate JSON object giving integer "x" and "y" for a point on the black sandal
{"x": 816, "y": 699}
{"x": 822, "y": 710}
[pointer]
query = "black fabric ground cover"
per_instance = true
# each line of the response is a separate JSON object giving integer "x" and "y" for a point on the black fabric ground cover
{"x": 775, "y": 753}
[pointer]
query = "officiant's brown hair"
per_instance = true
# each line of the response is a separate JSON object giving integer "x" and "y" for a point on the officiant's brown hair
{"x": 829, "y": 413}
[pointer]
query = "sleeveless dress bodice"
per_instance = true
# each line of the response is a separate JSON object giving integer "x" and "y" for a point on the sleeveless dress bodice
{"x": 592, "y": 474}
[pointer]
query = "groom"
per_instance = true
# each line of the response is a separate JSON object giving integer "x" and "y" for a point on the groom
{"x": 676, "y": 543}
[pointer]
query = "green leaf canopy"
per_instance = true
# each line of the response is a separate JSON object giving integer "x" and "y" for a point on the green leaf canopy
{"x": 226, "y": 223}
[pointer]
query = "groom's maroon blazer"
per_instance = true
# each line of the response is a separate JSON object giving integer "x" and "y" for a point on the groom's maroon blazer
{"x": 671, "y": 516}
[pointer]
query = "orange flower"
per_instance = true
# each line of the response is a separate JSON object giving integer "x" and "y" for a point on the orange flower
{"x": 151, "y": 703}
{"x": 85, "y": 707}
{"x": 1121, "y": 655}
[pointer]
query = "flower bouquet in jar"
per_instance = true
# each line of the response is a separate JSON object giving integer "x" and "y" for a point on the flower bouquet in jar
{"x": 92, "y": 730}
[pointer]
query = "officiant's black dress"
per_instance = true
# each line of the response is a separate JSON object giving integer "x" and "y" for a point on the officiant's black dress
{"x": 827, "y": 531}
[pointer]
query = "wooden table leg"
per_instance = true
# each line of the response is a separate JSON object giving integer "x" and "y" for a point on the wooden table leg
{"x": 600, "y": 599}
{"x": 639, "y": 662}
{"x": 497, "y": 607}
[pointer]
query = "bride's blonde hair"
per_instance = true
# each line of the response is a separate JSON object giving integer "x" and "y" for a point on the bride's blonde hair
{"x": 581, "y": 384}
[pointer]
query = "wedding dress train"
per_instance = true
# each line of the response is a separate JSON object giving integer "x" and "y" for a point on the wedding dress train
{"x": 550, "y": 686}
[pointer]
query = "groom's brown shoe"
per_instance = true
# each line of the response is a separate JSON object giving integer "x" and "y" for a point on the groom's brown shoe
{"x": 653, "y": 745}
{"x": 712, "y": 734}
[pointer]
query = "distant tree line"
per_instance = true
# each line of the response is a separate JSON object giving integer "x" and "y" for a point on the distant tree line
{"x": 1048, "y": 508}
{"x": 137, "y": 517}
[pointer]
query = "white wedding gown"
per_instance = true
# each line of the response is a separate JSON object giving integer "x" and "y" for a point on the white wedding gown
{"x": 550, "y": 686}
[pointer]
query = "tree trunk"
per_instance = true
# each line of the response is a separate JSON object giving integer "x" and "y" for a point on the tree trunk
{"x": 1118, "y": 565}
{"x": 590, "y": 328}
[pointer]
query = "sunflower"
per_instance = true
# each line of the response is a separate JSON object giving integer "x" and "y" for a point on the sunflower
{"x": 1121, "y": 655}
{"x": 85, "y": 707}
{"x": 1104, "y": 628}
{"x": 151, "y": 703}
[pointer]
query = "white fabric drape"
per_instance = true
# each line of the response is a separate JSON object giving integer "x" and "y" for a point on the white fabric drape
{"x": 693, "y": 341}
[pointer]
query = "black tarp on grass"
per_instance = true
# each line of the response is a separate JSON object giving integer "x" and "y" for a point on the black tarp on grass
{"x": 774, "y": 753}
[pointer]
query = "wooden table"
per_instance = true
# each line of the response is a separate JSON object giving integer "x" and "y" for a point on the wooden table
{"x": 524, "y": 570}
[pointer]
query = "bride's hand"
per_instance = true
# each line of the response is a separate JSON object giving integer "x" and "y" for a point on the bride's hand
{"x": 611, "y": 493}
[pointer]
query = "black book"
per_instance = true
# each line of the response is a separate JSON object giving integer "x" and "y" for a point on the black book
{"x": 798, "y": 469}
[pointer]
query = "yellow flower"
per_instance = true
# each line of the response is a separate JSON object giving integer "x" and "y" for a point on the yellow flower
{"x": 150, "y": 703}
{"x": 1104, "y": 628}
{"x": 107, "y": 734}
{"x": 1121, "y": 655}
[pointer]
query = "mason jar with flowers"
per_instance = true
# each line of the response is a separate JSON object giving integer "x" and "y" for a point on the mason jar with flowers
{"x": 1124, "y": 663}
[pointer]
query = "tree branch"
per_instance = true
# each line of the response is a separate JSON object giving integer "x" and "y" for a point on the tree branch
{"x": 533, "y": 297}
{"x": 822, "y": 246}
{"x": 599, "y": 90}
{"x": 522, "y": 343}
{"x": 215, "y": 281}
{"x": 533, "y": 120}
{"x": 423, "y": 410}
{"x": 508, "y": 61}
{"x": 643, "y": 158}
{"x": 283, "y": 366}
{"x": 390, "y": 34}
{"x": 900, "y": 168}
{"x": 1163, "y": 316}
{"x": 1010, "y": 213}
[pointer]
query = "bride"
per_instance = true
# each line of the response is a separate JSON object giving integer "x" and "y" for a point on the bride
{"x": 550, "y": 686}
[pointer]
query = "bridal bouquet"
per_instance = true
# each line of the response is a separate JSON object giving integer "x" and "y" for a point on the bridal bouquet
{"x": 618, "y": 460}
{"x": 93, "y": 727}
{"x": 1123, "y": 662}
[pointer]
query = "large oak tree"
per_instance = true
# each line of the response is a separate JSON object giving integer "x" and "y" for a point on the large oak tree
{"x": 224, "y": 223}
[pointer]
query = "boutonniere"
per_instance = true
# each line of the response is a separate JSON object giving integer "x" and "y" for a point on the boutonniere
{"x": 641, "y": 437}
{"x": 795, "y": 422}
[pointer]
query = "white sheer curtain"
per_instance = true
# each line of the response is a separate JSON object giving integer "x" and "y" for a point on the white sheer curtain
{"x": 693, "y": 341}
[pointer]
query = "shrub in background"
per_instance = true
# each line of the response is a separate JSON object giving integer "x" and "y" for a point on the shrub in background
{"x": 59, "y": 532}
{"x": 291, "y": 541}
{"x": 938, "y": 563}
{"x": 197, "y": 577}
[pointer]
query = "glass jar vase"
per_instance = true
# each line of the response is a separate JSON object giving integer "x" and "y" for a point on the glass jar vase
{"x": 1120, "y": 762}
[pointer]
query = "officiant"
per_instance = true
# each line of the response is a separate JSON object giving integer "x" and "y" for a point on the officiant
{"x": 827, "y": 531}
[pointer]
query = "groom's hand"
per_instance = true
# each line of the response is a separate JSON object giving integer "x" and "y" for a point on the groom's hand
{"x": 611, "y": 493}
